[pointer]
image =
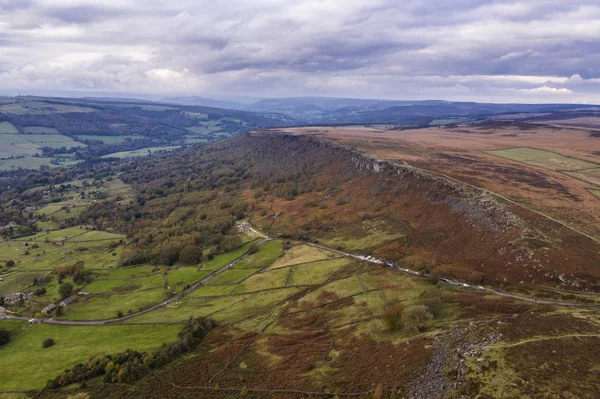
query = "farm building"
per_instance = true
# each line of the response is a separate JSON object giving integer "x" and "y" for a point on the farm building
{"x": 48, "y": 309}
{"x": 67, "y": 301}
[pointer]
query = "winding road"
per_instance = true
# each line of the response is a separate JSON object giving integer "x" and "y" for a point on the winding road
{"x": 265, "y": 239}
{"x": 149, "y": 309}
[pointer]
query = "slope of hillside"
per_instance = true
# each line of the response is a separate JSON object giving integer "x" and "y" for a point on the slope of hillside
{"x": 38, "y": 131}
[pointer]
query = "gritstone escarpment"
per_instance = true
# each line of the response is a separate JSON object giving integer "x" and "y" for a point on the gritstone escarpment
{"x": 459, "y": 229}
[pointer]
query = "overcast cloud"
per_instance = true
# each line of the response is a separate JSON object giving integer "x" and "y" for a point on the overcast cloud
{"x": 472, "y": 50}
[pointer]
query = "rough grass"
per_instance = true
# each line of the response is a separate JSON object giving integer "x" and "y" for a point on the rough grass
{"x": 182, "y": 310}
{"x": 266, "y": 255}
{"x": 231, "y": 276}
{"x": 263, "y": 281}
{"x": 252, "y": 304}
{"x": 25, "y": 365}
{"x": 112, "y": 285}
{"x": 546, "y": 159}
{"x": 182, "y": 276}
{"x": 334, "y": 290}
{"x": 106, "y": 306}
{"x": 589, "y": 175}
{"x": 367, "y": 234}
{"x": 210, "y": 290}
{"x": 302, "y": 254}
{"x": 317, "y": 272}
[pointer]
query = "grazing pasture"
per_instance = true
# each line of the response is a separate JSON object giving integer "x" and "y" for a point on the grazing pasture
{"x": 40, "y": 108}
{"x": 74, "y": 344}
{"x": 8, "y": 128}
{"x": 546, "y": 159}
{"x": 141, "y": 152}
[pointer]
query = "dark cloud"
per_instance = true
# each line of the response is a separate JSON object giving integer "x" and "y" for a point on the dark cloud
{"x": 83, "y": 14}
{"x": 519, "y": 50}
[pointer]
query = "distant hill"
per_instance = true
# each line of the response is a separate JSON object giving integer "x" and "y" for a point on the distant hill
{"x": 204, "y": 102}
{"x": 315, "y": 110}
{"x": 48, "y": 131}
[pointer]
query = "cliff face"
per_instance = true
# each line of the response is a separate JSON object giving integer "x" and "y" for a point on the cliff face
{"x": 457, "y": 229}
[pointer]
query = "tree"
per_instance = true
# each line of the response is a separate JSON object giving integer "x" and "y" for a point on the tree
{"x": 59, "y": 310}
{"x": 10, "y": 263}
{"x": 231, "y": 242}
{"x": 191, "y": 254}
{"x": 392, "y": 316}
{"x": 414, "y": 317}
{"x": 65, "y": 290}
{"x": 4, "y": 336}
{"x": 253, "y": 249}
{"x": 48, "y": 342}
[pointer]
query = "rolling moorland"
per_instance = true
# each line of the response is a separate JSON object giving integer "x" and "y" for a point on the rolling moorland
{"x": 373, "y": 262}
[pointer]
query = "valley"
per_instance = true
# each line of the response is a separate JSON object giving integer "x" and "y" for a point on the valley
{"x": 326, "y": 270}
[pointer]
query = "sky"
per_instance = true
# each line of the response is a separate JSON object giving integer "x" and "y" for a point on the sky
{"x": 460, "y": 50}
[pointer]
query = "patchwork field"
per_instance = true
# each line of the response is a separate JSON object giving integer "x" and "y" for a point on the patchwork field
{"x": 545, "y": 159}
{"x": 107, "y": 139}
{"x": 40, "y": 108}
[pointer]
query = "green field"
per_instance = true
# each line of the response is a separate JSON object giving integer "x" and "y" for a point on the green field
{"x": 140, "y": 153}
{"x": 595, "y": 192}
{"x": 74, "y": 344}
{"x": 7, "y": 127}
{"x": 317, "y": 272}
{"x": 66, "y": 246}
{"x": 266, "y": 255}
{"x": 590, "y": 175}
{"x": 106, "y": 306}
{"x": 107, "y": 139}
{"x": 302, "y": 254}
{"x": 221, "y": 260}
{"x": 40, "y": 130}
{"x": 275, "y": 278}
{"x": 546, "y": 159}
{"x": 40, "y": 108}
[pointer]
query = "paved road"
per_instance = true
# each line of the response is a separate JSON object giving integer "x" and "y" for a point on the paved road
{"x": 151, "y": 308}
{"x": 454, "y": 282}
{"x": 265, "y": 239}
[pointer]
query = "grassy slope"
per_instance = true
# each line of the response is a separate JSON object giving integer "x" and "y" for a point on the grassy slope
{"x": 31, "y": 366}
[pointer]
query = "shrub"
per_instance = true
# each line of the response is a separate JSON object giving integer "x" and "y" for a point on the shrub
{"x": 392, "y": 317}
{"x": 4, "y": 336}
{"x": 414, "y": 318}
{"x": 48, "y": 342}
{"x": 65, "y": 290}
{"x": 253, "y": 249}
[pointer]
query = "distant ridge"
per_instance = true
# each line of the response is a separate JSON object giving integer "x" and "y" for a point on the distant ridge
{"x": 203, "y": 102}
